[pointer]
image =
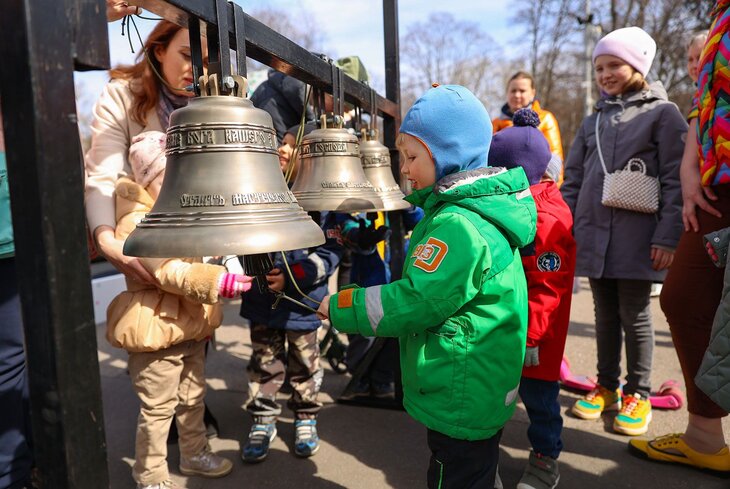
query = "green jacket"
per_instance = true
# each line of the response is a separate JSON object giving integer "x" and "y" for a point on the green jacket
{"x": 6, "y": 226}
{"x": 460, "y": 309}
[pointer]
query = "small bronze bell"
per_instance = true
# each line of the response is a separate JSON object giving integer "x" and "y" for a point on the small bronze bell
{"x": 376, "y": 164}
{"x": 330, "y": 176}
{"x": 223, "y": 191}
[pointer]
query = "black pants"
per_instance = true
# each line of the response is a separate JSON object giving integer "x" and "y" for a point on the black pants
{"x": 462, "y": 464}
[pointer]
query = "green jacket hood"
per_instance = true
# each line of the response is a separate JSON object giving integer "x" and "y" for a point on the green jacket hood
{"x": 500, "y": 196}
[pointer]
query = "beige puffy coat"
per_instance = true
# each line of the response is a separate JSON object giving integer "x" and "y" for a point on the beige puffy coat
{"x": 181, "y": 307}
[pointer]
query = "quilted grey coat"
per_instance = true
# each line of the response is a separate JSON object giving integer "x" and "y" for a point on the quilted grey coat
{"x": 615, "y": 243}
{"x": 713, "y": 376}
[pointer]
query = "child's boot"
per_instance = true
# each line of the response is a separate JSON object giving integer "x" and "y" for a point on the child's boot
{"x": 260, "y": 437}
{"x": 168, "y": 484}
{"x": 597, "y": 401}
{"x": 634, "y": 417}
{"x": 306, "y": 443}
{"x": 205, "y": 464}
{"x": 541, "y": 473}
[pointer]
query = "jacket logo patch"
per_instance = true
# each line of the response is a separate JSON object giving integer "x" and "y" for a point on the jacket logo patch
{"x": 344, "y": 299}
{"x": 430, "y": 255}
{"x": 548, "y": 262}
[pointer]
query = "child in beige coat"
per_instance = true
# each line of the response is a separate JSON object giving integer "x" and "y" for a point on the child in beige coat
{"x": 164, "y": 328}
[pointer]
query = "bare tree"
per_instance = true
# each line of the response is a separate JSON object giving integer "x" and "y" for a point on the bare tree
{"x": 555, "y": 42}
{"x": 446, "y": 50}
{"x": 299, "y": 26}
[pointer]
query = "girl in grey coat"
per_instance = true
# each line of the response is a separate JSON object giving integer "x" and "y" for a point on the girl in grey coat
{"x": 621, "y": 251}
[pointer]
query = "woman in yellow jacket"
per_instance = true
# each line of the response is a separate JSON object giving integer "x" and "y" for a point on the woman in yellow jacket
{"x": 521, "y": 94}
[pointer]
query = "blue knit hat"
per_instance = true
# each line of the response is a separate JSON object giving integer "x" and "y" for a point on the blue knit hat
{"x": 522, "y": 145}
{"x": 455, "y": 127}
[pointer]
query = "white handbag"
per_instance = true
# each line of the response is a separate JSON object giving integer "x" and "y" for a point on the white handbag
{"x": 630, "y": 188}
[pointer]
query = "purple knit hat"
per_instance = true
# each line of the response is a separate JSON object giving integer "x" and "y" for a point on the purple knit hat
{"x": 522, "y": 145}
{"x": 631, "y": 44}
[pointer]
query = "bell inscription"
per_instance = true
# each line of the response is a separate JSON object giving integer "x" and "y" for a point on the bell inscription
{"x": 346, "y": 185}
{"x": 181, "y": 139}
{"x": 202, "y": 200}
{"x": 263, "y": 198}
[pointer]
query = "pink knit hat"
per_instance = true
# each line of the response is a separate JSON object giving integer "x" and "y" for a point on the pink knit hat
{"x": 147, "y": 156}
{"x": 631, "y": 44}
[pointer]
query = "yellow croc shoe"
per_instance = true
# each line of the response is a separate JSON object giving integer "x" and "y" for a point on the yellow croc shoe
{"x": 671, "y": 448}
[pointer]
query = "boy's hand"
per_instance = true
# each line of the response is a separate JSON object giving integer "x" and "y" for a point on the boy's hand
{"x": 276, "y": 280}
{"x": 323, "y": 312}
{"x": 532, "y": 356}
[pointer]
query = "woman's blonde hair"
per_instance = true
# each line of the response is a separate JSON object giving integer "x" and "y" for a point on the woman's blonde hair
{"x": 698, "y": 37}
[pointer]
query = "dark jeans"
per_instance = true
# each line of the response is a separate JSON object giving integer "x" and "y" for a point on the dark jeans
{"x": 540, "y": 398}
{"x": 16, "y": 457}
{"x": 623, "y": 308}
{"x": 462, "y": 464}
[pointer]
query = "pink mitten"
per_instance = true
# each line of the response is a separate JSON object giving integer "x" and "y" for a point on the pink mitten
{"x": 231, "y": 285}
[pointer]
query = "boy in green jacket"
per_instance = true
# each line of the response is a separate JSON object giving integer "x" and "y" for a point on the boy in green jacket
{"x": 460, "y": 310}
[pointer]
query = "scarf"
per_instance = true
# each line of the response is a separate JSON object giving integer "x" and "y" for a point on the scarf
{"x": 167, "y": 101}
{"x": 713, "y": 123}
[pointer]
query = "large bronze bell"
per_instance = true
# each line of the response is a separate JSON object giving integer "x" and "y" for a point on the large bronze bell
{"x": 223, "y": 192}
{"x": 330, "y": 176}
{"x": 376, "y": 164}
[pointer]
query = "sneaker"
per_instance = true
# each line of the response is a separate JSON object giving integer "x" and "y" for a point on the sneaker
{"x": 672, "y": 449}
{"x": 383, "y": 390}
{"x": 634, "y": 417}
{"x": 541, "y": 473}
{"x": 360, "y": 389}
{"x": 168, "y": 484}
{"x": 597, "y": 401}
{"x": 306, "y": 443}
{"x": 205, "y": 464}
{"x": 260, "y": 437}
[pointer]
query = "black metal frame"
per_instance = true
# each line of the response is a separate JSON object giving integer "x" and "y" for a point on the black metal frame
{"x": 41, "y": 43}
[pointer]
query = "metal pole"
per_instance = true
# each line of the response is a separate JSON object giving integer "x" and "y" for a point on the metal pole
{"x": 391, "y": 126}
{"x": 588, "y": 62}
{"x": 46, "y": 192}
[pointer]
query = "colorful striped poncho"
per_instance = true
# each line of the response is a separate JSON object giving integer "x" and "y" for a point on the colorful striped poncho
{"x": 713, "y": 126}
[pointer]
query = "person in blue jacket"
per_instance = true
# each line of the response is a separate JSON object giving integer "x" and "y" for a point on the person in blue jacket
{"x": 284, "y": 344}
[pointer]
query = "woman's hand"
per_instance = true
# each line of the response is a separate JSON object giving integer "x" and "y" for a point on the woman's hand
{"x": 661, "y": 259}
{"x": 111, "y": 248}
{"x": 693, "y": 193}
{"x": 323, "y": 312}
{"x": 115, "y": 10}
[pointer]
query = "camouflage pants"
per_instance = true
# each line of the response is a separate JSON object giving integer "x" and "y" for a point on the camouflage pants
{"x": 271, "y": 363}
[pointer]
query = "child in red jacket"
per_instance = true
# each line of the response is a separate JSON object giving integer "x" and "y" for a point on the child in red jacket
{"x": 549, "y": 265}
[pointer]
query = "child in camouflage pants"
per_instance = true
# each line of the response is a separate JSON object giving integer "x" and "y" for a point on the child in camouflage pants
{"x": 284, "y": 343}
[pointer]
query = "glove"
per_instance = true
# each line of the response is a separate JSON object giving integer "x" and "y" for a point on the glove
{"x": 231, "y": 285}
{"x": 368, "y": 236}
{"x": 532, "y": 356}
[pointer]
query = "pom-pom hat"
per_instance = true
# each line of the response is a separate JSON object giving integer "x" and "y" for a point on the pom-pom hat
{"x": 522, "y": 145}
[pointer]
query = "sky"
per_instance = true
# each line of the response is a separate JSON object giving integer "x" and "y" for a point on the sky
{"x": 347, "y": 28}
